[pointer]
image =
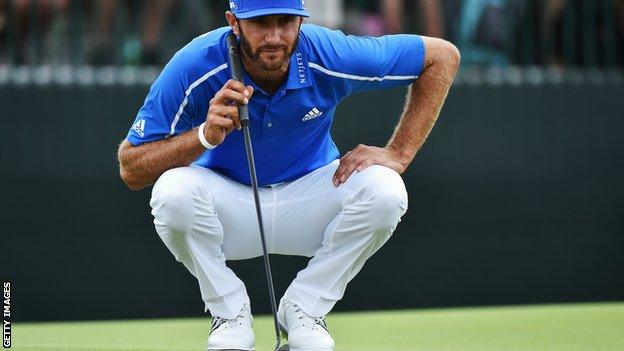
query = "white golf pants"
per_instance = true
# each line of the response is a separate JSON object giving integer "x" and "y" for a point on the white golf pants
{"x": 206, "y": 218}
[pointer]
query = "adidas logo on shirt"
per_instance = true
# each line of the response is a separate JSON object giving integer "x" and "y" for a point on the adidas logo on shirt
{"x": 312, "y": 114}
{"x": 139, "y": 127}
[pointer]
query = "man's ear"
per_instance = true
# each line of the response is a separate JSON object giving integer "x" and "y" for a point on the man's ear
{"x": 233, "y": 22}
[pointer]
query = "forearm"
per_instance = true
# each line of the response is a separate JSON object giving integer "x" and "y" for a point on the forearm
{"x": 424, "y": 100}
{"x": 140, "y": 166}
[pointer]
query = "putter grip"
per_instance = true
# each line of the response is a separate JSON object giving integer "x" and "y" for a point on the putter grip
{"x": 236, "y": 68}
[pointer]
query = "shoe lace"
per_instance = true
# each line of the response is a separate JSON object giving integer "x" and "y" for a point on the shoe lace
{"x": 309, "y": 321}
{"x": 218, "y": 321}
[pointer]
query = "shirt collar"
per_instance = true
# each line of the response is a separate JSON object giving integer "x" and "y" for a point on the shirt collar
{"x": 298, "y": 71}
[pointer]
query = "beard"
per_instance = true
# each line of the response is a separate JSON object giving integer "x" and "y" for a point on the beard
{"x": 280, "y": 54}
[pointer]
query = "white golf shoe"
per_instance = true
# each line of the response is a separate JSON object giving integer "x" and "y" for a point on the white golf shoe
{"x": 232, "y": 334}
{"x": 304, "y": 332}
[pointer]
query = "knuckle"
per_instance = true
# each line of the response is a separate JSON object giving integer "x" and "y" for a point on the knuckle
{"x": 214, "y": 110}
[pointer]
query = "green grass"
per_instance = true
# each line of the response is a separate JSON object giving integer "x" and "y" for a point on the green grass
{"x": 548, "y": 327}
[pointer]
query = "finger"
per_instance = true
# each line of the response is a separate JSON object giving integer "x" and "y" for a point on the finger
{"x": 338, "y": 171}
{"x": 232, "y": 113}
{"x": 234, "y": 85}
{"x": 229, "y": 130}
{"x": 239, "y": 87}
{"x": 224, "y": 110}
{"x": 364, "y": 165}
{"x": 342, "y": 162}
{"x": 217, "y": 122}
{"x": 348, "y": 170}
{"x": 345, "y": 162}
{"x": 227, "y": 112}
{"x": 225, "y": 96}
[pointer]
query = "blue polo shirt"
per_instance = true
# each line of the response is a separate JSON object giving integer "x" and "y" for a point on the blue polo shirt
{"x": 290, "y": 129}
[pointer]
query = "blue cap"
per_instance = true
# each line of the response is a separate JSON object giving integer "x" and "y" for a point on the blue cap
{"x": 244, "y": 9}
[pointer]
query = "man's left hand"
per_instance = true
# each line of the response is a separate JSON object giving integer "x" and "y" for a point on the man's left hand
{"x": 363, "y": 156}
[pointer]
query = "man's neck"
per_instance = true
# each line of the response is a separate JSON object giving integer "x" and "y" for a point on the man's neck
{"x": 269, "y": 81}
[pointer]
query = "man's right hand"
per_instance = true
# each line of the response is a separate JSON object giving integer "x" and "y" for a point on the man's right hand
{"x": 223, "y": 112}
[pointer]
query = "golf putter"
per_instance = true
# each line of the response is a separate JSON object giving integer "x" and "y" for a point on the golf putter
{"x": 243, "y": 114}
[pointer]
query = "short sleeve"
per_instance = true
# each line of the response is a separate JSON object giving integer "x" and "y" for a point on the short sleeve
{"x": 367, "y": 63}
{"x": 167, "y": 109}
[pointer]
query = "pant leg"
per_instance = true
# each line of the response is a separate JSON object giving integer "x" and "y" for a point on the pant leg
{"x": 341, "y": 227}
{"x": 193, "y": 207}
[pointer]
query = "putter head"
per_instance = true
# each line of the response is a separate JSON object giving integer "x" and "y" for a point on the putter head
{"x": 284, "y": 348}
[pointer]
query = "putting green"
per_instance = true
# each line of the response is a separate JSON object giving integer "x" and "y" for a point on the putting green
{"x": 547, "y": 327}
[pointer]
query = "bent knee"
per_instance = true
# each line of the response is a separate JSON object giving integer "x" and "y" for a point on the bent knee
{"x": 387, "y": 209}
{"x": 172, "y": 200}
{"x": 388, "y": 198}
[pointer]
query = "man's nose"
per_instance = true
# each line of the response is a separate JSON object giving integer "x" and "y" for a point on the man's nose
{"x": 273, "y": 35}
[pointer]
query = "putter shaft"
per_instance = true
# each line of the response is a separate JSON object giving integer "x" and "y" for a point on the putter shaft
{"x": 236, "y": 68}
{"x": 267, "y": 263}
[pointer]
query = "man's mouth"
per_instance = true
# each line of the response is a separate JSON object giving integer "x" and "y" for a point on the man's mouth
{"x": 272, "y": 50}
